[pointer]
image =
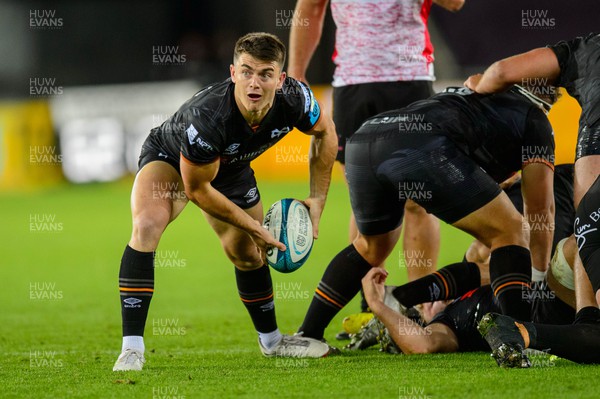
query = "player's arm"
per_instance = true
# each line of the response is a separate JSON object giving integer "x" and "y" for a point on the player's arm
{"x": 540, "y": 63}
{"x": 305, "y": 39}
{"x": 538, "y": 209}
{"x": 408, "y": 335}
{"x": 450, "y": 5}
{"x": 323, "y": 150}
{"x": 197, "y": 178}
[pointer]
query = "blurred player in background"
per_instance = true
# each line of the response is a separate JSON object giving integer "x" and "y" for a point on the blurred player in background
{"x": 450, "y": 162}
{"x": 205, "y": 149}
{"x": 384, "y": 60}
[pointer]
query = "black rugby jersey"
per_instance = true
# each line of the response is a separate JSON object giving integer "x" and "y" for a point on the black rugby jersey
{"x": 463, "y": 314}
{"x": 579, "y": 61}
{"x": 209, "y": 125}
{"x": 500, "y": 132}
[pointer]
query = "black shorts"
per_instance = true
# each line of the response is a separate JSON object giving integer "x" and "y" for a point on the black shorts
{"x": 385, "y": 169}
{"x": 588, "y": 141}
{"x": 353, "y": 104}
{"x": 547, "y": 308}
{"x": 237, "y": 183}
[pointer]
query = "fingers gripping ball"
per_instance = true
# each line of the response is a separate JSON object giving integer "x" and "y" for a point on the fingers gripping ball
{"x": 288, "y": 220}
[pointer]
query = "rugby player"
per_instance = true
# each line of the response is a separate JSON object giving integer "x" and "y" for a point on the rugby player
{"x": 383, "y": 61}
{"x": 573, "y": 65}
{"x": 205, "y": 150}
{"x": 450, "y": 162}
{"x": 552, "y": 299}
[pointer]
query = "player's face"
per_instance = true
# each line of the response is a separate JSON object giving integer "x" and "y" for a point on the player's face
{"x": 256, "y": 83}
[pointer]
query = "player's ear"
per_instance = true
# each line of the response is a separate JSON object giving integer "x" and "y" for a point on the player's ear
{"x": 232, "y": 72}
{"x": 282, "y": 77}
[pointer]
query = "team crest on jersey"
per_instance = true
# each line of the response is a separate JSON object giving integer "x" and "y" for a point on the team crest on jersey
{"x": 194, "y": 138}
{"x": 277, "y": 132}
{"x": 232, "y": 149}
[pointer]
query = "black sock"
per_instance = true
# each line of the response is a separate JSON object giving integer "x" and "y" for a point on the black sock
{"x": 449, "y": 282}
{"x": 510, "y": 276}
{"x": 339, "y": 284}
{"x": 136, "y": 286}
{"x": 364, "y": 306}
{"x": 256, "y": 292}
{"x": 578, "y": 342}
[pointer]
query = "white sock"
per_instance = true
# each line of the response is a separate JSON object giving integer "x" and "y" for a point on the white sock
{"x": 537, "y": 275}
{"x": 269, "y": 340}
{"x": 133, "y": 342}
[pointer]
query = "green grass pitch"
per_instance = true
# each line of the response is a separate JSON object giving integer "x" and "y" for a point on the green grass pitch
{"x": 60, "y": 323}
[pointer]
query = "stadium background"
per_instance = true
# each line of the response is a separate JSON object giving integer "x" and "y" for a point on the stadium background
{"x": 83, "y": 81}
{"x": 81, "y": 84}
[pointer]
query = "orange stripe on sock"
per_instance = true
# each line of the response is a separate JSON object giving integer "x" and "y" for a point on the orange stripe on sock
{"x": 329, "y": 299}
{"x": 524, "y": 333}
{"x": 256, "y": 300}
{"x": 127, "y": 289}
{"x": 509, "y": 283}
{"x": 443, "y": 281}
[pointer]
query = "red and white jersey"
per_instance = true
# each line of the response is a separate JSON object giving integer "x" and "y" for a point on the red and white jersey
{"x": 381, "y": 41}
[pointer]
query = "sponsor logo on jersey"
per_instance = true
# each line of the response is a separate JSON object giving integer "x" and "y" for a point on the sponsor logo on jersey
{"x": 194, "y": 138}
{"x": 277, "y": 132}
{"x": 307, "y": 97}
{"x": 232, "y": 149}
{"x": 581, "y": 230}
{"x": 251, "y": 195}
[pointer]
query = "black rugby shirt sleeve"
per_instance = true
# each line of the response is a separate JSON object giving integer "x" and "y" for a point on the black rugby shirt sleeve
{"x": 200, "y": 143}
{"x": 302, "y": 100}
{"x": 538, "y": 145}
{"x": 564, "y": 51}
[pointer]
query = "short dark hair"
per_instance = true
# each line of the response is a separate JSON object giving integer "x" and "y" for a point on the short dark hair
{"x": 262, "y": 46}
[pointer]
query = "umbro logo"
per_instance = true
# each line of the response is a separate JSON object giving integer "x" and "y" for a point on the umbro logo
{"x": 251, "y": 195}
{"x": 277, "y": 132}
{"x": 160, "y": 154}
{"x": 132, "y": 301}
{"x": 232, "y": 149}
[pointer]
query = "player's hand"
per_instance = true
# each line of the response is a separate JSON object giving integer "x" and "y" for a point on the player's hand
{"x": 264, "y": 240}
{"x": 315, "y": 208}
{"x": 472, "y": 81}
{"x": 373, "y": 285}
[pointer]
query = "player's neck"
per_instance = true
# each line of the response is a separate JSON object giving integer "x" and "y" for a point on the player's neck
{"x": 253, "y": 118}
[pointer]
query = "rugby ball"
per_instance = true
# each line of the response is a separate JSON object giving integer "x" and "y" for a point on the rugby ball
{"x": 288, "y": 220}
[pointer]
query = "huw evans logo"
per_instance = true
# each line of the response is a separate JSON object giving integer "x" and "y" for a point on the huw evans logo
{"x": 537, "y": 19}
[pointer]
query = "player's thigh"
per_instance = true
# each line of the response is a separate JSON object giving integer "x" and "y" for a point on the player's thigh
{"x": 587, "y": 170}
{"x": 158, "y": 192}
{"x": 495, "y": 224}
{"x": 237, "y": 243}
{"x": 157, "y": 198}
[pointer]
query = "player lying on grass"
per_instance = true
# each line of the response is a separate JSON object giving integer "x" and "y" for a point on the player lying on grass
{"x": 552, "y": 300}
{"x": 448, "y": 154}
{"x": 205, "y": 149}
{"x": 452, "y": 326}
